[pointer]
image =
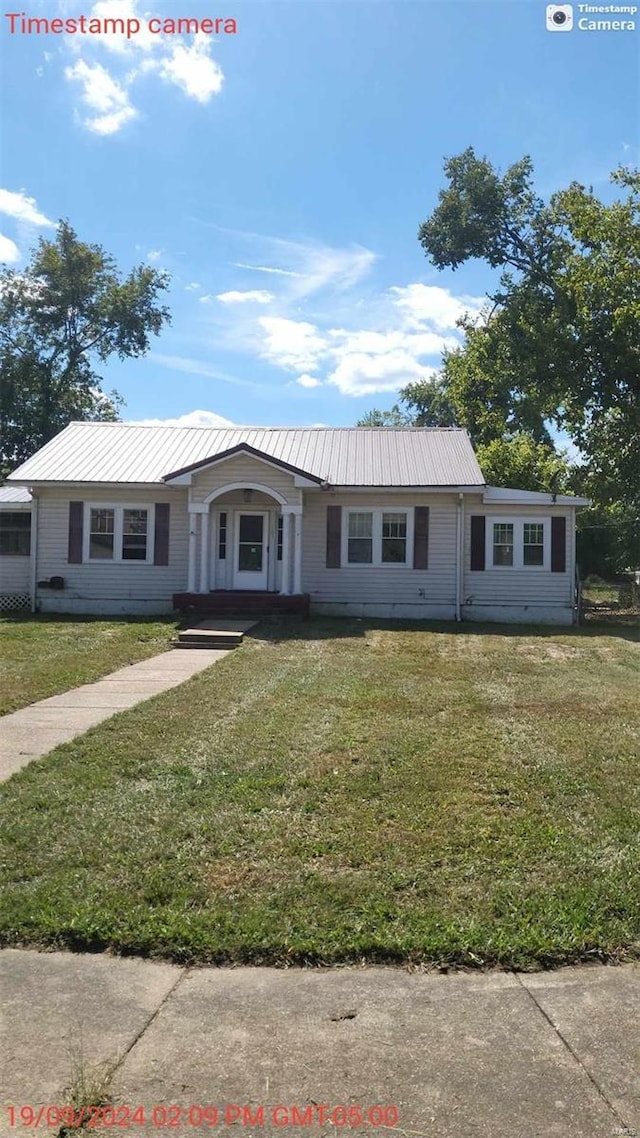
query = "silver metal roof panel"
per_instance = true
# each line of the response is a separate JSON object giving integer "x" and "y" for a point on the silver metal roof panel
{"x": 344, "y": 456}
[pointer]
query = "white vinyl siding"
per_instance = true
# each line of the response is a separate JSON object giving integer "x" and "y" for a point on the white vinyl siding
{"x": 241, "y": 469}
{"x": 15, "y": 574}
{"x": 107, "y": 581}
{"x": 401, "y": 589}
{"x": 533, "y": 585}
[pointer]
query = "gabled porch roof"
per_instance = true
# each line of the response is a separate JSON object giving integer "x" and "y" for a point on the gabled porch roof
{"x": 185, "y": 474}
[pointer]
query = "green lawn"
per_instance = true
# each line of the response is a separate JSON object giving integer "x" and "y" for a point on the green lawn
{"x": 348, "y": 790}
{"x": 43, "y": 655}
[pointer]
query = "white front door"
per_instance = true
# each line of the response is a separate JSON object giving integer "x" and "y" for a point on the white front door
{"x": 250, "y": 559}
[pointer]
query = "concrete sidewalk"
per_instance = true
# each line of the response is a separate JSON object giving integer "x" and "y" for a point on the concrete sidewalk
{"x": 33, "y": 731}
{"x": 477, "y": 1055}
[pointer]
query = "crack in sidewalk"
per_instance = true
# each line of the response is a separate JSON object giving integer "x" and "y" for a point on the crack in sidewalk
{"x": 145, "y": 1027}
{"x": 574, "y": 1055}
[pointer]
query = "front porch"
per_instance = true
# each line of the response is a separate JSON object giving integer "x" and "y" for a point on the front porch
{"x": 238, "y": 603}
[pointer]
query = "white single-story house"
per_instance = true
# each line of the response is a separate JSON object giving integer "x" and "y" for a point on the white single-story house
{"x": 122, "y": 518}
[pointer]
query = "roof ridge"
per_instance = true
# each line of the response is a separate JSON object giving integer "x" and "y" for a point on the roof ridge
{"x": 249, "y": 427}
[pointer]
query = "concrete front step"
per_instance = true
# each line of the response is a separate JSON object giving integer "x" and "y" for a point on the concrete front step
{"x": 211, "y": 640}
{"x": 214, "y": 634}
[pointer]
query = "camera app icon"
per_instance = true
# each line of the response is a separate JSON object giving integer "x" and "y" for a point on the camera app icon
{"x": 559, "y": 17}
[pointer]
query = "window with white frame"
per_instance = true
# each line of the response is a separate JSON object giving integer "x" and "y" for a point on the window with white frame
{"x": 118, "y": 533}
{"x": 360, "y": 538}
{"x": 503, "y": 543}
{"x": 376, "y": 537}
{"x": 533, "y": 543}
{"x": 520, "y": 544}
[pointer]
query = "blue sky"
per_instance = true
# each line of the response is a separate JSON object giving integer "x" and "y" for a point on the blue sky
{"x": 280, "y": 174}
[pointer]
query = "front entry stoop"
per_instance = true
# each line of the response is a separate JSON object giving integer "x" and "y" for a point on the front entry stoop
{"x": 214, "y": 634}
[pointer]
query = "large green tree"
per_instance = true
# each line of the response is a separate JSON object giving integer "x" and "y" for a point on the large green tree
{"x": 64, "y": 314}
{"x": 558, "y": 346}
{"x": 561, "y": 342}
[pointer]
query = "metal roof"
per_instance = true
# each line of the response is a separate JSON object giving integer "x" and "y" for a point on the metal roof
{"x": 351, "y": 456}
{"x": 14, "y": 496}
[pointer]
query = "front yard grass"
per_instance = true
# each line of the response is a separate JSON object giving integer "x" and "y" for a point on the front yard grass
{"x": 345, "y": 791}
{"x": 44, "y": 655}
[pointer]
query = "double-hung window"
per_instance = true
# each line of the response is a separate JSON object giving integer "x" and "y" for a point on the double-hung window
{"x": 15, "y": 532}
{"x": 503, "y": 543}
{"x": 533, "y": 543}
{"x": 376, "y": 537}
{"x": 118, "y": 533}
{"x": 519, "y": 544}
{"x": 360, "y": 538}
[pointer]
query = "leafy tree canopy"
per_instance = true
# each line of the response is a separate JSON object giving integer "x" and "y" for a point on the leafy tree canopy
{"x": 558, "y": 345}
{"x": 68, "y": 311}
{"x": 561, "y": 343}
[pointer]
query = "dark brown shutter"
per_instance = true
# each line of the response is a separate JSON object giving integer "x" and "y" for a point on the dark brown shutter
{"x": 76, "y": 516}
{"x": 558, "y": 545}
{"x": 161, "y": 539}
{"x": 478, "y": 541}
{"x": 334, "y": 536}
{"x": 421, "y": 538}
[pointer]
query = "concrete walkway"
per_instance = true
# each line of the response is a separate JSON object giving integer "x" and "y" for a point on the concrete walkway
{"x": 493, "y": 1055}
{"x": 33, "y": 731}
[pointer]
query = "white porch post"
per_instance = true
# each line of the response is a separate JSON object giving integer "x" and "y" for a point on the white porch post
{"x": 297, "y": 552}
{"x": 286, "y": 554}
{"x": 204, "y": 552}
{"x": 191, "y": 573}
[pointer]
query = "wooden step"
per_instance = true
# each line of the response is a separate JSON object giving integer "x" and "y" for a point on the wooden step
{"x": 249, "y": 604}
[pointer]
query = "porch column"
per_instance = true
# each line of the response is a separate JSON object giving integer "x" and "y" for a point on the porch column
{"x": 286, "y": 553}
{"x": 204, "y": 552}
{"x": 191, "y": 573}
{"x": 297, "y": 552}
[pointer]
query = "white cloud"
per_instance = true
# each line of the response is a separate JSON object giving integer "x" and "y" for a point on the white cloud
{"x": 9, "y": 251}
{"x": 193, "y": 286}
{"x": 360, "y": 374}
{"x": 358, "y": 362}
{"x": 437, "y": 306}
{"x": 381, "y": 343}
{"x": 266, "y": 269}
{"x": 102, "y": 93}
{"x": 311, "y": 265}
{"x": 207, "y": 299}
{"x": 141, "y": 40}
{"x": 190, "y": 419}
{"x": 292, "y": 344}
{"x": 251, "y": 296}
{"x": 154, "y": 255}
{"x": 22, "y": 208}
{"x": 327, "y": 330}
{"x": 196, "y": 367}
{"x": 193, "y": 70}
{"x": 184, "y": 63}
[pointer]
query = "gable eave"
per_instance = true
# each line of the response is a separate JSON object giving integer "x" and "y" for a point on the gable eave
{"x": 185, "y": 475}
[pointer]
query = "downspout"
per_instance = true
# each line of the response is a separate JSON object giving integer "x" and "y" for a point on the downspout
{"x": 34, "y": 552}
{"x": 459, "y": 551}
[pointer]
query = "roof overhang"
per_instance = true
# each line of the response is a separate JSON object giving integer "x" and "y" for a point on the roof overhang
{"x": 184, "y": 477}
{"x": 503, "y": 495}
